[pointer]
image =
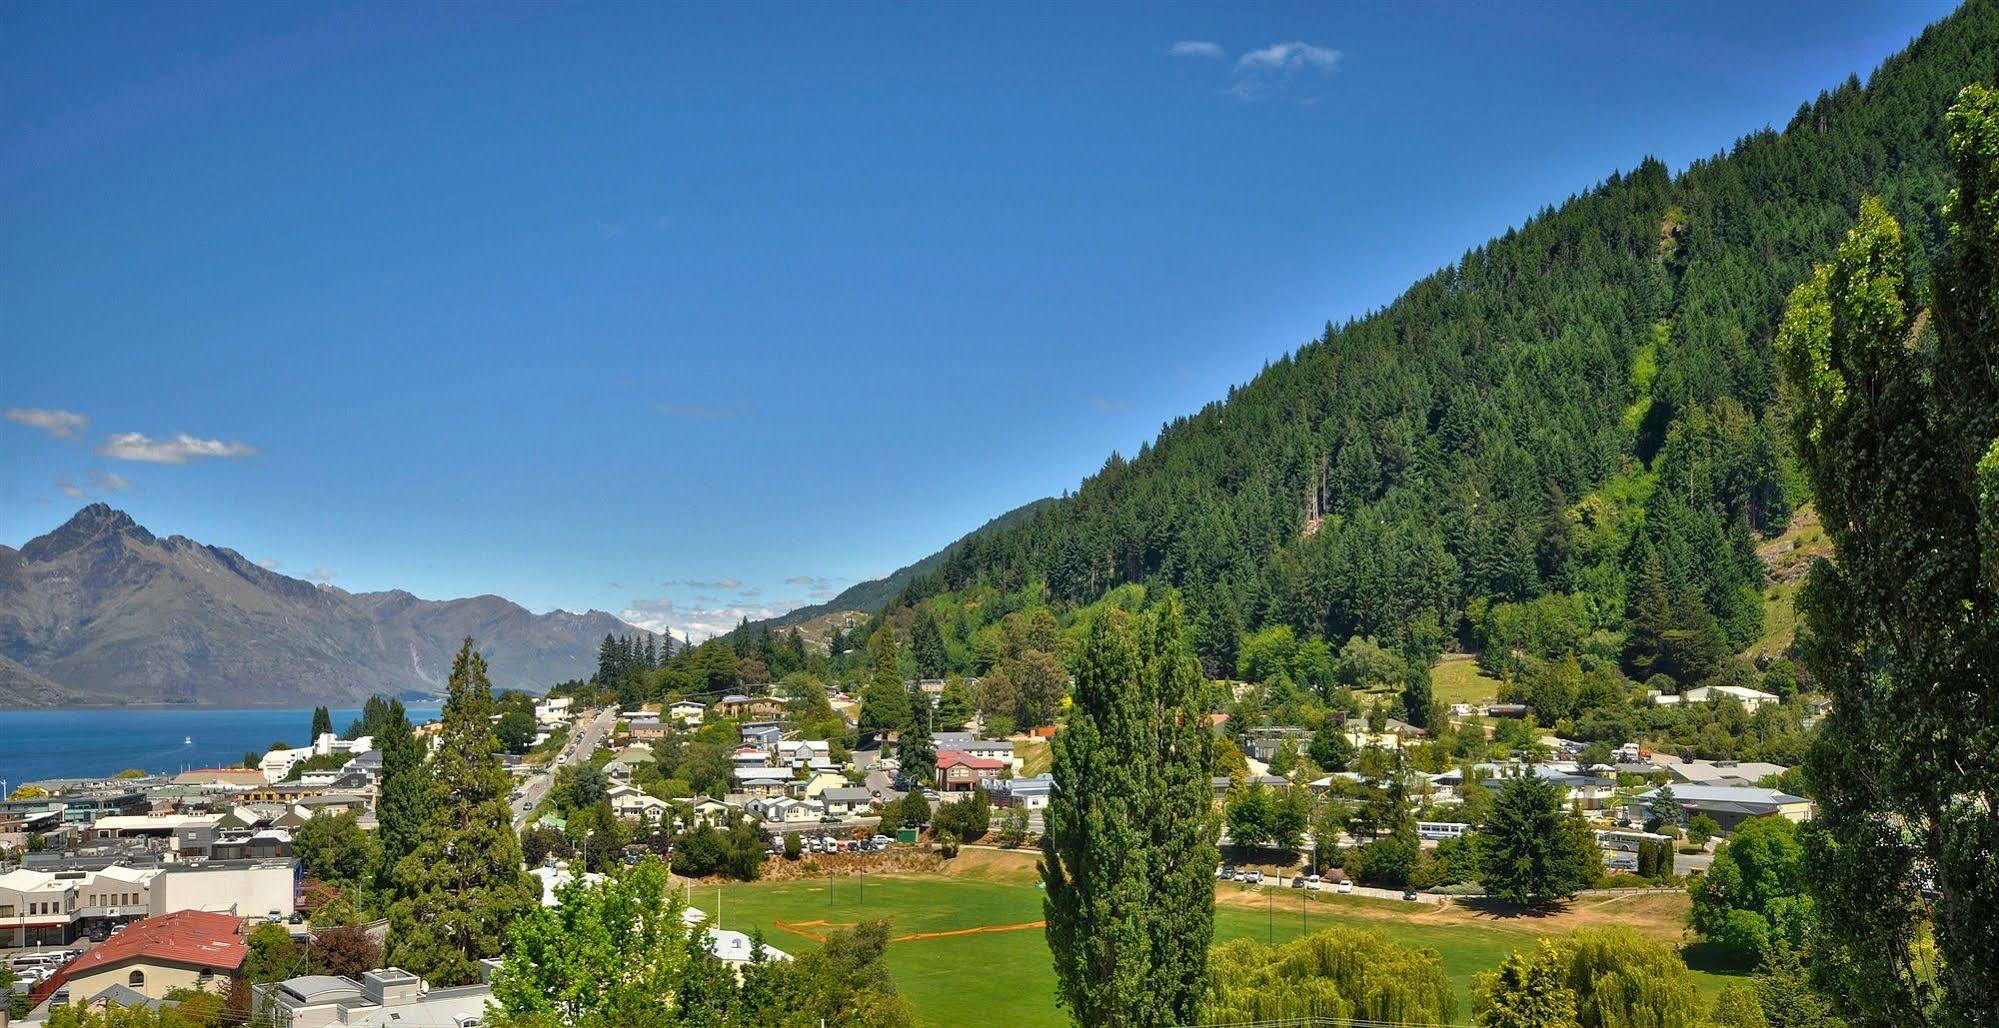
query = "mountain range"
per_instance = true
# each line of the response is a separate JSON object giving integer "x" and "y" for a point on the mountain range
{"x": 101, "y": 611}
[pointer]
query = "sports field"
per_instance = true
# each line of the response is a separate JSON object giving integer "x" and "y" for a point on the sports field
{"x": 1004, "y": 977}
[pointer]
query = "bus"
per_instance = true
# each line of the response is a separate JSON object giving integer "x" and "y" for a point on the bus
{"x": 1626, "y": 841}
{"x": 1441, "y": 830}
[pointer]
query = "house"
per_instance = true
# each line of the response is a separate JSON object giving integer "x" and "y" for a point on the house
{"x": 191, "y": 834}
{"x": 628, "y": 802}
{"x": 847, "y": 801}
{"x": 761, "y": 734}
{"x": 737, "y": 705}
{"x": 553, "y": 712}
{"x": 188, "y": 949}
{"x": 1263, "y": 743}
{"x": 763, "y": 781}
{"x": 973, "y": 746}
{"x": 783, "y": 810}
{"x": 710, "y": 810}
{"x": 1030, "y": 793}
{"x": 687, "y": 712}
{"x": 820, "y": 781}
{"x": 37, "y": 908}
{"x": 277, "y": 764}
{"x": 803, "y": 752}
{"x": 958, "y": 772}
{"x": 1751, "y": 699}
{"x": 1728, "y": 805}
{"x": 384, "y": 997}
{"x": 646, "y": 727}
{"x": 1719, "y": 772}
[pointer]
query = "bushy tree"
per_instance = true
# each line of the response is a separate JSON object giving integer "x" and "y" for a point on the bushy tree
{"x": 1752, "y": 899}
{"x": 1532, "y": 851}
{"x": 1591, "y": 978}
{"x": 1330, "y": 975}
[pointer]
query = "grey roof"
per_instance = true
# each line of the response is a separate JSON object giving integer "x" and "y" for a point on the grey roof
{"x": 846, "y": 795}
{"x": 126, "y": 996}
{"x": 319, "y": 988}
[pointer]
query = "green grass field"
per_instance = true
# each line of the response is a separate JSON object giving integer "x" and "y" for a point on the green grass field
{"x": 1006, "y": 977}
{"x": 1457, "y": 679}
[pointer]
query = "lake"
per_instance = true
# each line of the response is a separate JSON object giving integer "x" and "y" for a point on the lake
{"x": 38, "y": 744}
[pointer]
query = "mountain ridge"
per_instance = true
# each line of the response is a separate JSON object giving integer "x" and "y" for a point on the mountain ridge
{"x": 100, "y": 610}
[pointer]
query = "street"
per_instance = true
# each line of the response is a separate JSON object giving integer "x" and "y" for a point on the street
{"x": 590, "y": 729}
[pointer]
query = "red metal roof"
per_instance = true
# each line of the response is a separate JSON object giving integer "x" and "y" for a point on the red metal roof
{"x": 955, "y": 759}
{"x": 191, "y": 938}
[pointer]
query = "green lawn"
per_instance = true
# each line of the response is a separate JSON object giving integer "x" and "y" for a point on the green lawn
{"x": 1005, "y": 977}
{"x": 1457, "y": 679}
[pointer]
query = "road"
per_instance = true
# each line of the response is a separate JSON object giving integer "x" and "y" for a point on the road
{"x": 588, "y": 731}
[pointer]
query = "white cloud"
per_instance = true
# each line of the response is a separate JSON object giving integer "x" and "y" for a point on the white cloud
{"x": 1108, "y": 406}
{"x": 1195, "y": 48}
{"x": 181, "y": 449}
{"x": 269, "y": 565}
{"x": 320, "y": 575}
{"x": 697, "y": 623}
{"x": 1289, "y": 57}
{"x": 97, "y": 483}
{"x": 62, "y": 424}
{"x": 725, "y": 583}
{"x": 1272, "y": 70}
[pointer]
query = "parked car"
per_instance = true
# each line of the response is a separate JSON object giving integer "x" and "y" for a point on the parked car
{"x": 1297, "y": 882}
{"x": 881, "y": 841}
{"x": 1344, "y": 886}
{"x": 1253, "y": 877}
{"x": 1409, "y": 894}
{"x": 1314, "y": 883}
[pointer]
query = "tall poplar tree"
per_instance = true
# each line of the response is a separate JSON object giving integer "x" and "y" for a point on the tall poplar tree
{"x": 1897, "y": 428}
{"x": 462, "y": 887}
{"x": 322, "y": 724}
{"x": 1130, "y": 829}
{"x": 402, "y": 805}
{"x": 885, "y": 702}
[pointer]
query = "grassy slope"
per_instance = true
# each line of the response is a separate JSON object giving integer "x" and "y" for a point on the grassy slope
{"x": 1786, "y": 558}
{"x": 1456, "y": 678}
{"x": 1006, "y": 977}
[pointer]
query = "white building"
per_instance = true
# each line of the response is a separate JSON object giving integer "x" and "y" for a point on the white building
{"x": 1751, "y": 699}
{"x": 389, "y": 996}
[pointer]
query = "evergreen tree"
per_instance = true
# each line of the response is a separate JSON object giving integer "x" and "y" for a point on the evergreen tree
{"x": 1130, "y": 844}
{"x": 885, "y": 705}
{"x": 403, "y": 804}
{"x": 322, "y": 724}
{"x": 462, "y": 887}
{"x": 926, "y": 644}
{"x": 1530, "y": 851}
{"x": 914, "y": 750}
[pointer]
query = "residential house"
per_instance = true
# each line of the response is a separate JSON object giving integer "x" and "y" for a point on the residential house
{"x": 763, "y": 781}
{"x": 762, "y": 734}
{"x": 783, "y": 810}
{"x": 735, "y": 949}
{"x": 803, "y": 752}
{"x": 687, "y": 712}
{"x": 1030, "y": 793}
{"x": 628, "y": 802}
{"x": 959, "y": 772}
{"x": 973, "y": 746}
{"x": 737, "y": 705}
{"x": 1751, "y": 699}
{"x": 1262, "y": 743}
{"x": 646, "y": 727}
{"x": 188, "y": 949}
{"x": 847, "y": 801}
{"x": 1718, "y": 772}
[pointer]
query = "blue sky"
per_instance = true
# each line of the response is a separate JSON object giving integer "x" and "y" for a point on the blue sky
{"x": 702, "y": 311}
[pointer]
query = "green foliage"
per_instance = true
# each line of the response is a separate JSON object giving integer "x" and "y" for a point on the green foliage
{"x": 515, "y": 730}
{"x": 335, "y": 849}
{"x": 609, "y": 954}
{"x": 1752, "y": 899}
{"x": 1533, "y": 852}
{"x": 322, "y": 724}
{"x": 1130, "y": 846}
{"x": 1592, "y": 978}
{"x": 401, "y": 808}
{"x": 1329, "y": 975}
{"x": 462, "y": 886}
{"x": 1896, "y": 420}
{"x": 967, "y": 819}
{"x": 885, "y": 705}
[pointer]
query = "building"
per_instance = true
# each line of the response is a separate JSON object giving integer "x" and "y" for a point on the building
{"x": 1719, "y": 772}
{"x": 188, "y": 949}
{"x": 553, "y": 878}
{"x": 763, "y": 781}
{"x": 223, "y": 777}
{"x": 1030, "y": 793}
{"x": 687, "y": 712}
{"x": 762, "y": 734}
{"x": 783, "y": 810}
{"x": 847, "y": 801}
{"x": 628, "y": 802}
{"x": 1751, "y": 699}
{"x": 645, "y": 727}
{"x": 958, "y": 772}
{"x": 1728, "y": 805}
{"x": 384, "y": 997}
{"x": 734, "y": 948}
{"x": 973, "y": 746}
{"x": 737, "y": 705}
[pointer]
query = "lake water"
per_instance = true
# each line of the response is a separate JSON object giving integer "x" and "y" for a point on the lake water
{"x": 82, "y": 743}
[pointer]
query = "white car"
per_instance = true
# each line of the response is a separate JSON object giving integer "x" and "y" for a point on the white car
{"x": 1345, "y": 887}
{"x": 1314, "y": 883}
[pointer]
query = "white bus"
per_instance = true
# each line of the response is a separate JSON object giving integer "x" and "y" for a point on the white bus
{"x": 1440, "y": 830}
{"x": 1626, "y": 841}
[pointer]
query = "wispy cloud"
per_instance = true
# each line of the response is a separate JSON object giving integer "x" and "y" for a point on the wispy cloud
{"x": 62, "y": 424}
{"x": 818, "y": 587}
{"x": 704, "y": 411}
{"x": 269, "y": 565}
{"x": 724, "y": 583}
{"x": 1196, "y": 48}
{"x": 1109, "y": 406}
{"x": 1275, "y": 69}
{"x": 609, "y": 229}
{"x": 99, "y": 482}
{"x": 320, "y": 575}
{"x": 697, "y": 622}
{"x": 181, "y": 449}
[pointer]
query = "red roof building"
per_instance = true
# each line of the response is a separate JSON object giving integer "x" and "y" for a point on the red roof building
{"x": 153, "y": 956}
{"x": 958, "y": 772}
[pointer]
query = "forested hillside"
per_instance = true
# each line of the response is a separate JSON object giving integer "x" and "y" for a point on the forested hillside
{"x": 1567, "y": 442}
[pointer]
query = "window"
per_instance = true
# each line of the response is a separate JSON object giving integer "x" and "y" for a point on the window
{"x": 137, "y": 979}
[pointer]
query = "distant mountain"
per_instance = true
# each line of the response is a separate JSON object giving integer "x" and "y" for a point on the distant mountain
{"x": 876, "y": 593}
{"x": 101, "y": 611}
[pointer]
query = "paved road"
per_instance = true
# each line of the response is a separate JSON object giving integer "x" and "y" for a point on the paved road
{"x": 589, "y": 730}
